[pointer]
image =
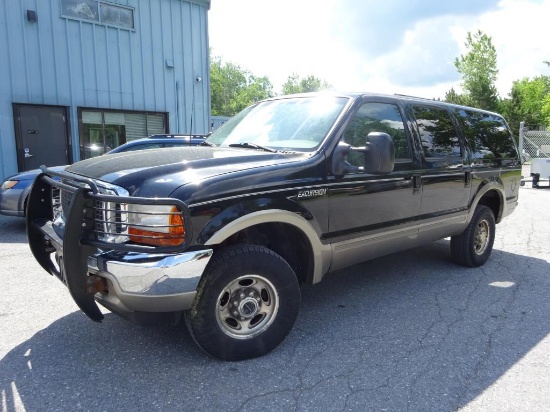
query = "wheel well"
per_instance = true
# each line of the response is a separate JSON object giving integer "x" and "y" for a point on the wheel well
{"x": 285, "y": 240}
{"x": 492, "y": 200}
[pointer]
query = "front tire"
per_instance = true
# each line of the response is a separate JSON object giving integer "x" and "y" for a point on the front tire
{"x": 473, "y": 246}
{"x": 247, "y": 301}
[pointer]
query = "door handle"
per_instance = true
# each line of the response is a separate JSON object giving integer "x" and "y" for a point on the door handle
{"x": 27, "y": 153}
{"x": 417, "y": 183}
{"x": 467, "y": 179}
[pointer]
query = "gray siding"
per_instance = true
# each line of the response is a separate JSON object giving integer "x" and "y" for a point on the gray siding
{"x": 74, "y": 63}
{"x": 217, "y": 121}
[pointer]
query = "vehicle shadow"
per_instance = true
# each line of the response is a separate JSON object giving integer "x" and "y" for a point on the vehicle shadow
{"x": 12, "y": 230}
{"x": 409, "y": 331}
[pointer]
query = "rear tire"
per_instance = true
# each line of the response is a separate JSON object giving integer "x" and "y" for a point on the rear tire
{"x": 473, "y": 246}
{"x": 247, "y": 301}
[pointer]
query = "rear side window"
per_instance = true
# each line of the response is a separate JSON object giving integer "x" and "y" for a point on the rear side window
{"x": 437, "y": 132}
{"x": 487, "y": 134}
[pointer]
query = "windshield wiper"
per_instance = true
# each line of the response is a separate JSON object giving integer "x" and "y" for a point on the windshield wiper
{"x": 205, "y": 143}
{"x": 247, "y": 145}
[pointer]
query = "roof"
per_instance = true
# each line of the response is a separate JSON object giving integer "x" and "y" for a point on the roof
{"x": 204, "y": 2}
{"x": 402, "y": 97}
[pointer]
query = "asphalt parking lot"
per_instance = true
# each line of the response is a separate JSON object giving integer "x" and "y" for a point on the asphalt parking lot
{"x": 411, "y": 331}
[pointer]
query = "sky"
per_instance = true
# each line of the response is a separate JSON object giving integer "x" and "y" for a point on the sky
{"x": 386, "y": 46}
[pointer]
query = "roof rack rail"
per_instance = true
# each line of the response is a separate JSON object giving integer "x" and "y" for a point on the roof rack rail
{"x": 174, "y": 136}
{"x": 414, "y": 97}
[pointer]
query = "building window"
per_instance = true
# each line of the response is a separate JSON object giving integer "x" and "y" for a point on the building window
{"x": 103, "y": 130}
{"x": 97, "y": 11}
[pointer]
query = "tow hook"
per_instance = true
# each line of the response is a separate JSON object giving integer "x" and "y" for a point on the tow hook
{"x": 96, "y": 284}
{"x": 48, "y": 247}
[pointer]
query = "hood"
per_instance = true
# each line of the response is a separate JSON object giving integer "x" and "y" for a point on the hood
{"x": 158, "y": 172}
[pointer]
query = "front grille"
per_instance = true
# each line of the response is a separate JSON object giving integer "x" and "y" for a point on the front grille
{"x": 66, "y": 198}
{"x": 110, "y": 218}
{"x": 119, "y": 221}
{"x": 111, "y": 221}
{"x": 56, "y": 204}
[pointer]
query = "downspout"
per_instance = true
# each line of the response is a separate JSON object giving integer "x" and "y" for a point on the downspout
{"x": 178, "y": 114}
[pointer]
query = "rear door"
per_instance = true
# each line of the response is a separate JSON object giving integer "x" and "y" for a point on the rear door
{"x": 446, "y": 174}
{"x": 41, "y": 135}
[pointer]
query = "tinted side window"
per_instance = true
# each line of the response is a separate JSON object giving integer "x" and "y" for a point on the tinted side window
{"x": 377, "y": 117}
{"x": 437, "y": 132}
{"x": 488, "y": 135}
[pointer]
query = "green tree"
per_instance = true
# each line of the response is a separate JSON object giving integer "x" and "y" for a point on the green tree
{"x": 453, "y": 97}
{"x": 295, "y": 84}
{"x": 234, "y": 88}
{"x": 478, "y": 68}
{"x": 545, "y": 110}
{"x": 529, "y": 101}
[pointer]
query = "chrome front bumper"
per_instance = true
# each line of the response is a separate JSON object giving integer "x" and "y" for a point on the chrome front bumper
{"x": 148, "y": 282}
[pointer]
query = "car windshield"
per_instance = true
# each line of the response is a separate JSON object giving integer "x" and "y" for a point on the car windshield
{"x": 288, "y": 124}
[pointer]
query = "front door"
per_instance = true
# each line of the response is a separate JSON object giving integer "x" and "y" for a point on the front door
{"x": 369, "y": 212}
{"x": 42, "y": 136}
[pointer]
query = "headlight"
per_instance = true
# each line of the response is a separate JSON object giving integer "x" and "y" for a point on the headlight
{"x": 156, "y": 225}
{"x": 8, "y": 184}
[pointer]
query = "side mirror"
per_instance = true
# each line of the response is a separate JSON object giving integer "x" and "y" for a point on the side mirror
{"x": 379, "y": 153}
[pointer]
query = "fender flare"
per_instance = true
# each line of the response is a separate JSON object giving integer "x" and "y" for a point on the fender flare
{"x": 483, "y": 190}
{"x": 322, "y": 254}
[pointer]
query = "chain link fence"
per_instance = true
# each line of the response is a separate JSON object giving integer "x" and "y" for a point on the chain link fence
{"x": 534, "y": 146}
{"x": 534, "y": 143}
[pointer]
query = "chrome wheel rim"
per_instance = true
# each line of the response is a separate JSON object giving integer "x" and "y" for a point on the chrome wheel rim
{"x": 481, "y": 237}
{"x": 247, "y": 306}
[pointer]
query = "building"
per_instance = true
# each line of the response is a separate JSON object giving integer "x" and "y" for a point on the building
{"x": 80, "y": 77}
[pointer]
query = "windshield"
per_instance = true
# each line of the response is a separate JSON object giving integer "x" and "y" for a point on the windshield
{"x": 290, "y": 124}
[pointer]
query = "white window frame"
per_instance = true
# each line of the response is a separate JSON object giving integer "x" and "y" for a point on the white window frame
{"x": 99, "y": 21}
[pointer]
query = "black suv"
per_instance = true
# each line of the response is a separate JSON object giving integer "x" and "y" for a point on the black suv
{"x": 286, "y": 191}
